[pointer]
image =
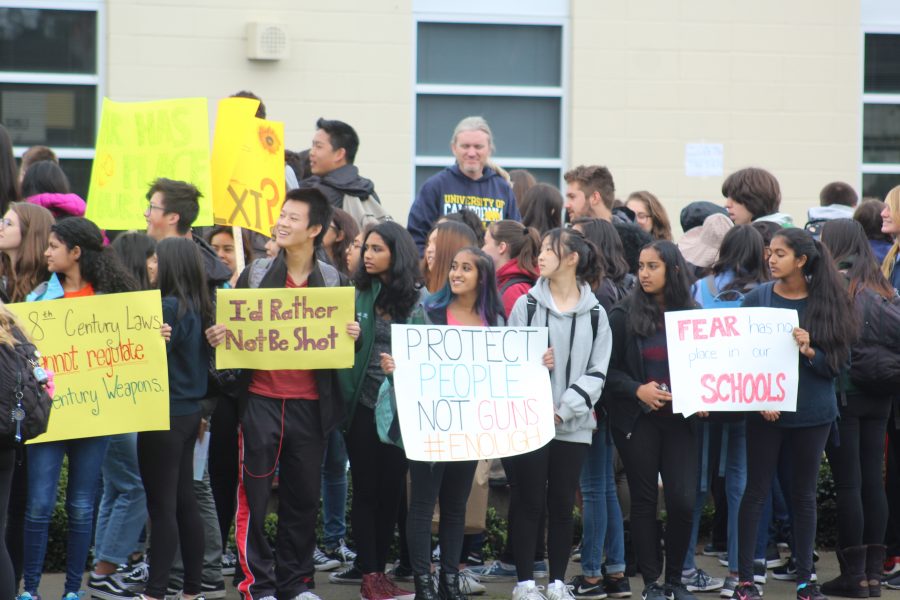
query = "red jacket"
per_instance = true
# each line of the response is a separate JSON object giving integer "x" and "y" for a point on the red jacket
{"x": 511, "y": 270}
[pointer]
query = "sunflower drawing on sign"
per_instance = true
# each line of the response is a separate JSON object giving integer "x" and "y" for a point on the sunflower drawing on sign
{"x": 269, "y": 139}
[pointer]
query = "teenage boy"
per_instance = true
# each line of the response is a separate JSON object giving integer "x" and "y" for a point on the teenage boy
{"x": 287, "y": 417}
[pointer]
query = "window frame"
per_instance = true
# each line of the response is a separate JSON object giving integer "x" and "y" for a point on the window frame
{"x": 561, "y": 91}
{"x": 97, "y": 80}
{"x": 873, "y": 98}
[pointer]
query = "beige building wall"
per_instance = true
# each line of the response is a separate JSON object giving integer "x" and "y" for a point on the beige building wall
{"x": 778, "y": 83}
{"x": 349, "y": 60}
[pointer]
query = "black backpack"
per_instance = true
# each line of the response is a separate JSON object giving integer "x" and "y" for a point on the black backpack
{"x": 531, "y": 306}
{"x": 875, "y": 357}
{"x": 24, "y": 402}
{"x": 515, "y": 280}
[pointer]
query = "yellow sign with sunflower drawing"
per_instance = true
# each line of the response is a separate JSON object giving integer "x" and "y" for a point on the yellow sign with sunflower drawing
{"x": 139, "y": 142}
{"x": 247, "y": 167}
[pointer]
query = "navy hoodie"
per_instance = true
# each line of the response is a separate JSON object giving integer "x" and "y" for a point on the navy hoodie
{"x": 490, "y": 197}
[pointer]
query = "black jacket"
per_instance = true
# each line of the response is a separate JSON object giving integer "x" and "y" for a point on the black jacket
{"x": 343, "y": 181}
{"x": 217, "y": 273}
{"x": 331, "y": 406}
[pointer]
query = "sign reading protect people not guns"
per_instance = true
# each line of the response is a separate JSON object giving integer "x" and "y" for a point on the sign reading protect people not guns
{"x": 733, "y": 359}
{"x": 140, "y": 141}
{"x": 469, "y": 393}
{"x": 108, "y": 360}
{"x": 293, "y": 328}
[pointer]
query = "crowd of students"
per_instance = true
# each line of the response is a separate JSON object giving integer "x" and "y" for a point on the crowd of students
{"x": 599, "y": 273}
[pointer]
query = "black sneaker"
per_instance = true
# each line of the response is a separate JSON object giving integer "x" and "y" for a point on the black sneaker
{"x": 678, "y": 591}
{"x": 810, "y": 591}
{"x": 746, "y": 591}
{"x": 788, "y": 572}
{"x": 212, "y": 591}
{"x": 137, "y": 577}
{"x": 616, "y": 588}
{"x": 401, "y": 573}
{"x": 773, "y": 557}
{"x": 654, "y": 591}
{"x": 229, "y": 562}
{"x": 351, "y": 575}
{"x": 585, "y": 590}
{"x": 109, "y": 587}
{"x": 759, "y": 572}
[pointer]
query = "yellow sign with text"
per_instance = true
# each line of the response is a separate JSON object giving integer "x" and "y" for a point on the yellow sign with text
{"x": 108, "y": 360}
{"x": 247, "y": 167}
{"x": 293, "y": 328}
{"x": 139, "y": 142}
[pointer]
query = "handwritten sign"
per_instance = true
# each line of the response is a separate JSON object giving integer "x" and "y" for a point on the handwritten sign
{"x": 733, "y": 359}
{"x": 247, "y": 167}
{"x": 469, "y": 393}
{"x": 139, "y": 142}
{"x": 703, "y": 160}
{"x": 108, "y": 360}
{"x": 294, "y": 328}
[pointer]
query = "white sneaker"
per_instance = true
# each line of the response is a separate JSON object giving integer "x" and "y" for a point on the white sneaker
{"x": 307, "y": 595}
{"x": 527, "y": 590}
{"x": 559, "y": 591}
{"x": 469, "y": 585}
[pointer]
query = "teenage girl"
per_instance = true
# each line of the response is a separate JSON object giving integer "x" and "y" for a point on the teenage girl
{"x": 577, "y": 359}
{"x": 807, "y": 281}
{"x": 514, "y": 249}
{"x": 653, "y": 441}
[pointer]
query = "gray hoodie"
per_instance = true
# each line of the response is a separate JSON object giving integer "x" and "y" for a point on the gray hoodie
{"x": 580, "y": 362}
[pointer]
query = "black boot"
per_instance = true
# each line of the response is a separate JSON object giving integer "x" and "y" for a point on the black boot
{"x": 874, "y": 568}
{"x": 448, "y": 587}
{"x": 425, "y": 587}
{"x": 852, "y": 582}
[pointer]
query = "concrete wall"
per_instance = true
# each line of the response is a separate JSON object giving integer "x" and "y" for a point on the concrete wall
{"x": 777, "y": 83}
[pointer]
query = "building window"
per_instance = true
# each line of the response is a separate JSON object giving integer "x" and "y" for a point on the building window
{"x": 881, "y": 114}
{"x": 511, "y": 73}
{"x": 50, "y": 80}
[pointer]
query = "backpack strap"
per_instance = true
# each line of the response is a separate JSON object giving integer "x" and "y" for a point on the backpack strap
{"x": 530, "y": 306}
{"x": 258, "y": 270}
{"x": 595, "y": 320}
{"x": 331, "y": 275}
{"x": 515, "y": 280}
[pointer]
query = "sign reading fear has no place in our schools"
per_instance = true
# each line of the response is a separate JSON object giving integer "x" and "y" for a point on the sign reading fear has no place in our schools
{"x": 733, "y": 359}
{"x": 294, "y": 328}
{"x": 469, "y": 393}
{"x": 108, "y": 360}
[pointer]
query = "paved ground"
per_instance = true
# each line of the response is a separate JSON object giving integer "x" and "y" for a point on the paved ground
{"x": 52, "y": 584}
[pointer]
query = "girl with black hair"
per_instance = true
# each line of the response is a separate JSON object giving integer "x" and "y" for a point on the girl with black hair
{"x": 740, "y": 267}
{"x": 137, "y": 251}
{"x": 79, "y": 267}
{"x": 856, "y": 454}
{"x": 388, "y": 288}
{"x": 616, "y": 281}
{"x": 578, "y": 356}
{"x": 339, "y": 239}
{"x": 542, "y": 208}
{"x": 807, "y": 281}
{"x": 514, "y": 249}
{"x": 653, "y": 441}
{"x": 470, "y": 299}
{"x": 45, "y": 184}
{"x": 9, "y": 172}
{"x": 166, "y": 457}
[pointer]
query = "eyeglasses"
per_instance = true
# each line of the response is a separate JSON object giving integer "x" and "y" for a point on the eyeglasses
{"x": 151, "y": 206}
{"x": 6, "y": 222}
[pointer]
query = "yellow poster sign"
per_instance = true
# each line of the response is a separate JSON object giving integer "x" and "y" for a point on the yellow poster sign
{"x": 139, "y": 142}
{"x": 293, "y": 328}
{"x": 108, "y": 360}
{"x": 247, "y": 167}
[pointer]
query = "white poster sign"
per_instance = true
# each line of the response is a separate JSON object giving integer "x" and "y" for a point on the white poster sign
{"x": 703, "y": 160}
{"x": 732, "y": 359}
{"x": 471, "y": 393}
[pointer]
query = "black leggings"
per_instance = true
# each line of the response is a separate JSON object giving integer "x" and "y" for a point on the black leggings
{"x": 796, "y": 453}
{"x": 547, "y": 475}
{"x": 660, "y": 445}
{"x": 7, "y": 577}
{"x": 223, "y": 462}
{"x": 377, "y": 470}
{"x": 856, "y": 467}
{"x": 166, "y": 462}
{"x": 451, "y": 482}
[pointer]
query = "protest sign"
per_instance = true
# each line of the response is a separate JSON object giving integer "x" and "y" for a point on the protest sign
{"x": 247, "y": 167}
{"x": 732, "y": 359}
{"x": 139, "y": 142}
{"x": 469, "y": 393}
{"x": 108, "y": 360}
{"x": 292, "y": 328}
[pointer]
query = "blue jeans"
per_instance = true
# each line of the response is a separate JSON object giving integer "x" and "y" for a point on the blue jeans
{"x": 123, "y": 507}
{"x": 44, "y": 463}
{"x": 733, "y": 465}
{"x": 334, "y": 489}
{"x": 602, "y": 517}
